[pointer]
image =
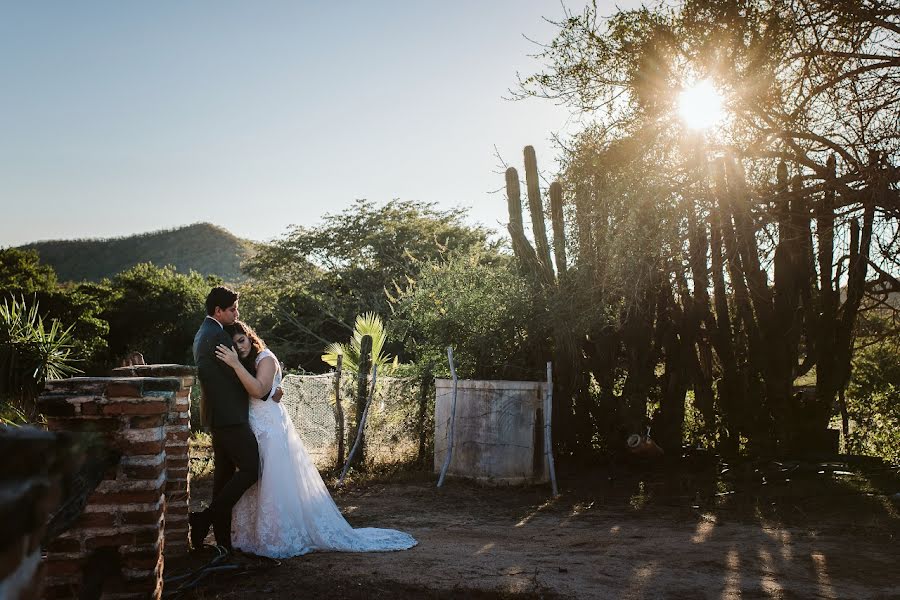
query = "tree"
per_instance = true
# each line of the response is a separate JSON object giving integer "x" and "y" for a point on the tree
{"x": 776, "y": 241}
{"x": 21, "y": 273}
{"x": 23, "y": 277}
{"x": 155, "y": 311}
{"x": 479, "y": 306}
{"x": 310, "y": 285}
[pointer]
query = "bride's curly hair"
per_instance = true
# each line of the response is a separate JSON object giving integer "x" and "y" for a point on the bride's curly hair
{"x": 257, "y": 345}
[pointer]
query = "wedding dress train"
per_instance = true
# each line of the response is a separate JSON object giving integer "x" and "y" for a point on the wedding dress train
{"x": 289, "y": 511}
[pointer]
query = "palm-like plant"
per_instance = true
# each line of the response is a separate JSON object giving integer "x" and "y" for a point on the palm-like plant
{"x": 366, "y": 324}
{"x": 31, "y": 353}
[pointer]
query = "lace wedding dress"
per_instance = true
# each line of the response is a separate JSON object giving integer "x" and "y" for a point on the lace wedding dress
{"x": 289, "y": 511}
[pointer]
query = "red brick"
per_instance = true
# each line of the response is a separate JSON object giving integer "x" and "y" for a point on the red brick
{"x": 81, "y": 424}
{"x": 147, "y": 422}
{"x": 134, "y": 497}
{"x": 141, "y": 518}
{"x": 176, "y": 488}
{"x": 177, "y": 510}
{"x": 64, "y": 545}
{"x": 56, "y": 406}
{"x": 148, "y": 536}
{"x": 124, "y": 389}
{"x": 174, "y": 474}
{"x": 57, "y": 567}
{"x": 141, "y": 562}
{"x": 176, "y": 463}
{"x": 143, "y": 471}
{"x": 183, "y": 393}
{"x": 141, "y": 407}
{"x": 91, "y": 409}
{"x": 103, "y": 541}
{"x": 180, "y": 436}
{"x": 139, "y": 448}
{"x": 125, "y": 587}
{"x": 96, "y": 519}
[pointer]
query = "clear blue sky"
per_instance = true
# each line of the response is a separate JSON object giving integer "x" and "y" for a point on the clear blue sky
{"x": 125, "y": 117}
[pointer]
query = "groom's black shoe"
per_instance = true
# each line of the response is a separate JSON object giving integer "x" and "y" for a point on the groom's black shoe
{"x": 200, "y": 523}
{"x": 222, "y": 531}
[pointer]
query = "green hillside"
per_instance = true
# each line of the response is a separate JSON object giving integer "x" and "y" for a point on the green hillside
{"x": 201, "y": 247}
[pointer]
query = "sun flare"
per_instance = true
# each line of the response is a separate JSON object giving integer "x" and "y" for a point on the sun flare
{"x": 700, "y": 105}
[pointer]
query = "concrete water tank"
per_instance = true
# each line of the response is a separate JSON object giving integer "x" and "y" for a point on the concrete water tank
{"x": 499, "y": 433}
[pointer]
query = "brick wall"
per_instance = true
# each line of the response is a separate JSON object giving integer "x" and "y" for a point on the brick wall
{"x": 118, "y": 540}
{"x": 178, "y": 431}
{"x": 31, "y": 472}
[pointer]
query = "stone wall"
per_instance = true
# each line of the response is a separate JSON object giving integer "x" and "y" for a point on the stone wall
{"x": 118, "y": 540}
{"x": 34, "y": 464}
{"x": 178, "y": 432}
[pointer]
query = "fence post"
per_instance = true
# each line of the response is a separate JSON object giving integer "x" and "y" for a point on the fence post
{"x": 365, "y": 365}
{"x": 360, "y": 428}
{"x": 452, "y": 419}
{"x": 423, "y": 404}
{"x": 339, "y": 411}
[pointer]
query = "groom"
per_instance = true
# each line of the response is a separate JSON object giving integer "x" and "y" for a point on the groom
{"x": 224, "y": 408}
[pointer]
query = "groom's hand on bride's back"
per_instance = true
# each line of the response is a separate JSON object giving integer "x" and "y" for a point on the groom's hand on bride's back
{"x": 279, "y": 392}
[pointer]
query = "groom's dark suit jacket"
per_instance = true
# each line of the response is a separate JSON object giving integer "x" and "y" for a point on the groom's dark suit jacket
{"x": 227, "y": 402}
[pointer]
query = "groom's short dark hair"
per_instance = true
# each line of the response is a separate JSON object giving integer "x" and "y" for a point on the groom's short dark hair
{"x": 220, "y": 296}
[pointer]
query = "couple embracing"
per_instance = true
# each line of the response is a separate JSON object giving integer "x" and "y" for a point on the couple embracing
{"x": 268, "y": 497}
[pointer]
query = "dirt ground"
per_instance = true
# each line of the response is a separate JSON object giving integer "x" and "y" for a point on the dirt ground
{"x": 689, "y": 528}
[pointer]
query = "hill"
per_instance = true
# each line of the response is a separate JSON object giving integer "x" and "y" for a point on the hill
{"x": 201, "y": 247}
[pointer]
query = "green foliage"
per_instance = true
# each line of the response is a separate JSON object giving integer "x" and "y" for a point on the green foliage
{"x": 309, "y": 286}
{"x": 21, "y": 272}
{"x": 30, "y": 353}
{"x": 368, "y": 324}
{"x": 11, "y": 415}
{"x": 22, "y": 275}
{"x": 478, "y": 306}
{"x": 201, "y": 247}
{"x": 155, "y": 311}
{"x": 873, "y": 401}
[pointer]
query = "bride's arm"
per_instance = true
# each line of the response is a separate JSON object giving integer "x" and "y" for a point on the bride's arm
{"x": 257, "y": 387}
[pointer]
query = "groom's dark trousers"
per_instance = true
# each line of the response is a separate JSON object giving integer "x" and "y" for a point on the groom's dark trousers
{"x": 225, "y": 411}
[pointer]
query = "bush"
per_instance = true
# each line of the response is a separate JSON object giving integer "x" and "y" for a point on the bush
{"x": 481, "y": 308}
{"x": 873, "y": 401}
{"x": 30, "y": 353}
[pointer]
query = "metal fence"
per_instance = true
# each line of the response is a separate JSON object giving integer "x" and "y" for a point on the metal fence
{"x": 398, "y": 428}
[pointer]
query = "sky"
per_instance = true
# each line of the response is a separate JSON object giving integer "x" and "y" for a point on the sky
{"x": 126, "y": 117}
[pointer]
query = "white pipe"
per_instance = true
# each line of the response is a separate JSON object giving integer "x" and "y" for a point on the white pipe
{"x": 548, "y": 437}
{"x": 452, "y": 420}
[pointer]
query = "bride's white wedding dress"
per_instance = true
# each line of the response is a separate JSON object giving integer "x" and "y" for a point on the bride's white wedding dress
{"x": 289, "y": 511}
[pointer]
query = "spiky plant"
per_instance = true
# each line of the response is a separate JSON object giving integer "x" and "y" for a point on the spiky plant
{"x": 366, "y": 324}
{"x": 31, "y": 352}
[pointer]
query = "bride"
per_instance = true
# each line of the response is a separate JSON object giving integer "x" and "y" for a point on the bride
{"x": 289, "y": 511}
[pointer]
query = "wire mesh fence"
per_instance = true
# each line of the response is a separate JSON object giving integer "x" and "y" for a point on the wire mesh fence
{"x": 398, "y": 427}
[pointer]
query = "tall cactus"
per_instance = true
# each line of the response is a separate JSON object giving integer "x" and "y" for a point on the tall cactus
{"x": 559, "y": 228}
{"x": 536, "y": 207}
{"x": 522, "y": 248}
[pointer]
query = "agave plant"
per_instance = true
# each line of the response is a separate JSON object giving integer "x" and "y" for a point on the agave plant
{"x": 366, "y": 324}
{"x": 31, "y": 353}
